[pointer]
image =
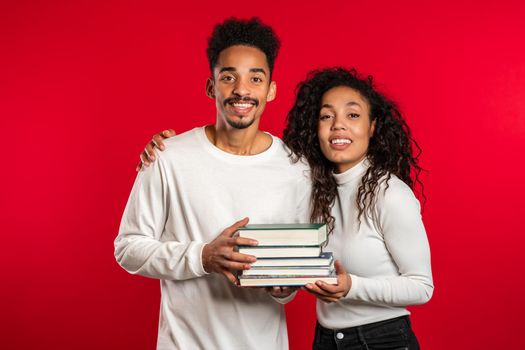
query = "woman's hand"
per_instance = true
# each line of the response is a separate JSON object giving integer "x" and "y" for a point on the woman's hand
{"x": 332, "y": 292}
{"x": 148, "y": 155}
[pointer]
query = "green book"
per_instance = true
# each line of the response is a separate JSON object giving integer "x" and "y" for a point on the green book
{"x": 285, "y": 234}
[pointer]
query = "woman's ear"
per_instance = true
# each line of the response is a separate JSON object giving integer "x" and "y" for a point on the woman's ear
{"x": 372, "y": 128}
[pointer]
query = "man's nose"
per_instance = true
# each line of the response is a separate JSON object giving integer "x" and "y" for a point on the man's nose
{"x": 241, "y": 88}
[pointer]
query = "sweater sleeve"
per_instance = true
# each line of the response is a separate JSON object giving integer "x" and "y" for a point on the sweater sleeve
{"x": 398, "y": 219}
{"x": 139, "y": 247}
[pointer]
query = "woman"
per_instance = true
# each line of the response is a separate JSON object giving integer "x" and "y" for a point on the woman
{"x": 360, "y": 152}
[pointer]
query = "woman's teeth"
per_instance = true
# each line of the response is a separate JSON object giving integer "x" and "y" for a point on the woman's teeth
{"x": 340, "y": 141}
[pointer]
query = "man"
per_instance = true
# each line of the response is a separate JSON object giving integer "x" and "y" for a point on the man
{"x": 205, "y": 179}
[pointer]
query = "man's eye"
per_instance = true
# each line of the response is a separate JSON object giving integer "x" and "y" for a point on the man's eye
{"x": 257, "y": 80}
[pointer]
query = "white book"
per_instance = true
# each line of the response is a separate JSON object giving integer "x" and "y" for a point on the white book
{"x": 281, "y": 252}
{"x": 285, "y": 234}
{"x": 325, "y": 259}
{"x": 289, "y": 271}
{"x": 268, "y": 281}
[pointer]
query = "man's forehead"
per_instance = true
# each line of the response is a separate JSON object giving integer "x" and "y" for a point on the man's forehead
{"x": 242, "y": 58}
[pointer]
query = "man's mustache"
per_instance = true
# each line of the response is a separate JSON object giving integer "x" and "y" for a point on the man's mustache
{"x": 241, "y": 99}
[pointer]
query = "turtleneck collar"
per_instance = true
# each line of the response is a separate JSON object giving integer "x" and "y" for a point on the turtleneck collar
{"x": 357, "y": 171}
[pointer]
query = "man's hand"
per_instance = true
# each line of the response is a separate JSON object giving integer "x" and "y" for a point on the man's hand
{"x": 281, "y": 292}
{"x": 332, "y": 292}
{"x": 148, "y": 155}
{"x": 219, "y": 256}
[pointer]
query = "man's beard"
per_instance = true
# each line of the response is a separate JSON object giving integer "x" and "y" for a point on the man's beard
{"x": 240, "y": 124}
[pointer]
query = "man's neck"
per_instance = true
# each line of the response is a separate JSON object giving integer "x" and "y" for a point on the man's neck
{"x": 242, "y": 142}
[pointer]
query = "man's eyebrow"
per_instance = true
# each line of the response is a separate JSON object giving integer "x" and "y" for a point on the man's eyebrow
{"x": 257, "y": 70}
{"x": 227, "y": 69}
{"x": 233, "y": 69}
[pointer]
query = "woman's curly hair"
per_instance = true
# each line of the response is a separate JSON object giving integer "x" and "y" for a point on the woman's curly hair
{"x": 390, "y": 151}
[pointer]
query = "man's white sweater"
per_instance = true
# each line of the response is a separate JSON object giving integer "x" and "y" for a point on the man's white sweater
{"x": 187, "y": 198}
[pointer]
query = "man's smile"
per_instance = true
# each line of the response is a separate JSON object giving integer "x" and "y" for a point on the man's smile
{"x": 241, "y": 106}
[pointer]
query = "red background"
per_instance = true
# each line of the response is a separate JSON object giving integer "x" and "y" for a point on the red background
{"x": 84, "y": 85}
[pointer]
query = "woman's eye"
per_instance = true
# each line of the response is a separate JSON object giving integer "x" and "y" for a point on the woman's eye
{"x": 227, "y": 78}
{"x": 324, "y": 117}
{"x": 353, "y": 115}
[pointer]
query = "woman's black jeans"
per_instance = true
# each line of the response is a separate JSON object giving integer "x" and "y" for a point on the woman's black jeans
{"x": 392, "y": 334}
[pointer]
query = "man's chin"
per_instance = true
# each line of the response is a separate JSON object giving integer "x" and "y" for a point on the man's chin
{"x": 241, "y": 124}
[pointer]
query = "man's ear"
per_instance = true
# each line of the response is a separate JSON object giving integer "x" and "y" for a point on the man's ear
{"x": 272, "y": 92}
{"x": 210, "y": 88}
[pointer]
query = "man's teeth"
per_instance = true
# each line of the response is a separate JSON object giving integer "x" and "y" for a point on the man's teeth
{"x": 340, "y": 141}
{"x": 242, "y": 105}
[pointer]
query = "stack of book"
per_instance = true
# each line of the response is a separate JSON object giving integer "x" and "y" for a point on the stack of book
{"x": 287, "y": 255}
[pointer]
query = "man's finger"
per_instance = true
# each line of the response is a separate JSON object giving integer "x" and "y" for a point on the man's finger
{"x": 242, "y": 241}
{"x": 168, "y": 133}
{"x": 147, "y": 155}
{"x": 243, "y": 258}
{"x": 277, "y": 291}
{"x": 233, "y": 228}
{"x": 287, "y": 289}
{"x": 231, "y": 277}
{"x": 144, "y": 160}
{"x": 233, "y": 265}
{"x": 235, "y": 257}
{"x": 150, "y": 151}
{"x": 283, "y": 291}
{"x": 156, "y": 141}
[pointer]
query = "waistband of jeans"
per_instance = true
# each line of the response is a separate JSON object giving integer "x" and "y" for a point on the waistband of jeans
{"x": 365, "y": 326}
